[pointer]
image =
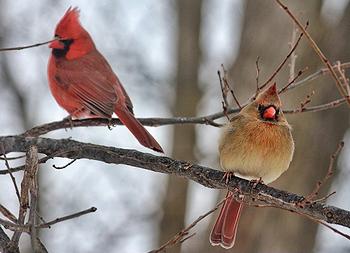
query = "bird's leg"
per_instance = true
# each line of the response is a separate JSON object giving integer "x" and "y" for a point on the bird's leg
{"x": 227, "y": 176}
{"x": 256, "y": 182}
{"x": 109, "y": 125}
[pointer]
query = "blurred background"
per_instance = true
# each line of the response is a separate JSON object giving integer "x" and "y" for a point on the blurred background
{"x": 167, "y": 54}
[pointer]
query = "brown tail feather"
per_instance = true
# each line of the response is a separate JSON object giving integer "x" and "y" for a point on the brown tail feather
{"x": 225, "y": 228}
{"x": 135, "y": 127}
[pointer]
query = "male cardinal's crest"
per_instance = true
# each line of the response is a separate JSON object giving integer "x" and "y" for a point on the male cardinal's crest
{"x": 69, "y": 24}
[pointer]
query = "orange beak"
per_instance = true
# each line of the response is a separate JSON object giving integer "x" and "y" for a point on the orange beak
{"x": 269, "y": 113}
{"x": 56, "y": 44}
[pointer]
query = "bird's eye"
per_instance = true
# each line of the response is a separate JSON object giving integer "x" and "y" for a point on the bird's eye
{"x": 260, "y": 108}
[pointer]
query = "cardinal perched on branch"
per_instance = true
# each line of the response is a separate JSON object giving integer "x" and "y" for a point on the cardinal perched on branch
{"x": 84, "y": 84}
{"x": 256, "y": 144}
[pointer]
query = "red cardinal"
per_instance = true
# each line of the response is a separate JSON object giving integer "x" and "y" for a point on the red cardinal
{"x": 84, "y": 84}
{"x": 256, "y": 144}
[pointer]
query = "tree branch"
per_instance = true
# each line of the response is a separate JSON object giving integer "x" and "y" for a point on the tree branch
{"x": 254, "y": 193}
{"x": 25, "y": 47}
{"x": 318, "y": 51}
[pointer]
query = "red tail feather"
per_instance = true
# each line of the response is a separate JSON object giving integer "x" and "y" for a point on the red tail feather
{"x": 225, "y": 228}
{"x": 135, "y": 127}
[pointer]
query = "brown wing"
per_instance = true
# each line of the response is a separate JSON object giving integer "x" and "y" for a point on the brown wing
{"x": 91, "y": 80}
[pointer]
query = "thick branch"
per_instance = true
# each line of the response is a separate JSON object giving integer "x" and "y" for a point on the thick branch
{"x": 254, "y": 195}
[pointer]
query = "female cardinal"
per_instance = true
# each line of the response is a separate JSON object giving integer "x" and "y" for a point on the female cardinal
{"x": 84, "y": 84}
{"x": 256, "y": 144}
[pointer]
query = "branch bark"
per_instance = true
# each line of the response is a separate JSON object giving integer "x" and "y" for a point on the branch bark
{"x": 259, "y": 194}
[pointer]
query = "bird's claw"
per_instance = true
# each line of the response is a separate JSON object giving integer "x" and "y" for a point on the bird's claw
{"x": 227, "y": 176}
{"x": 69, "y": 118}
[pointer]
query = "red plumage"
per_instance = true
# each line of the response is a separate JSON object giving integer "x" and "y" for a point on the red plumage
{"x": 84, "y": 84}
{"x": 225, "y": 228}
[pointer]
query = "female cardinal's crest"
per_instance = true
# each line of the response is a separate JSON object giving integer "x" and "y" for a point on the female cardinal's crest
{"x": 269, "y": 96}
{"x": 69, "y": 26}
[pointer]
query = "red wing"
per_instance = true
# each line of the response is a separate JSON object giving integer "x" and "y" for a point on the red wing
{"x": 91, "y": 80}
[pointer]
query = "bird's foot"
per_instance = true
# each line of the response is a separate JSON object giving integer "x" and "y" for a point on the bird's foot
{"x": 109, "y": 125}
{"x": 69, "y": 118}
{"x": 227, "y": 176}
{"x": 256, "y": 182}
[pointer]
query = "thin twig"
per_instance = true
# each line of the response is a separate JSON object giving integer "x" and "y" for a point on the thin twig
{"x": 343, "y": 79}
{"x": 312, "y": 219}
{"x": 318, "y": 51}
{"x": 312, "y": 196}
{"x": 183, "y": 234}
{"x": 224, "y": 103}
{"x": 8, "y": 214}
{"x": 285, "y": 59}
{"x": 65, "y": 166}
{"x": 257, "y": 76}
{"x": 331, "y": 105}
{"x": 307, "y": 100}
{"x": 12, "y": 158}
{"x": 293, "y": 80}
{"x": 228, "y": 86}
{"x": 8, "y": 168}
{"x": 49, "y": 127}
{"x": 317, "y": 74}
{"x": 323, "y": 199}
{"x": 326, "y": 225}
{"x": 293, "y": 56}
{"x": 25, "y": 47}
{"x": 68, "y": 217}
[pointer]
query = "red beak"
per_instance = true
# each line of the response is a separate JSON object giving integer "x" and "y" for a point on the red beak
{"x": 56, "y": 44}
{"x": 269, "y": 113}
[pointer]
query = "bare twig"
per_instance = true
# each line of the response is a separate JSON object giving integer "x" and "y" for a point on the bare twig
{"x": 343, "y": 79}
{"x": 323, "y": 199}
{"x": 293, "y": 80}
{"x": 285, "y": 59}
{"x": 317, "y": 74}
{"x": 306, "y": 101}
{"x": 46, "y": 128}
{"x": 4, "y": 211}
{"x": 12, "y": 158}
{"x": 293, "y": 56}
{"x": 312, "y": 196}
{"x": 317, "y": 50}
{"x": 182, "y": 236}
{"x": 12, "y": 177}
{"x": 68, "y": 217}
{"x": 25, "y": 47}
{"x": 65, "y": 166}
{"x": 257, "y": 76}
{"x": 317, "y": 108}
{"x": 224, "y": 91}
{"x": 228, "y": 86}
{"x": 314, "y": 220}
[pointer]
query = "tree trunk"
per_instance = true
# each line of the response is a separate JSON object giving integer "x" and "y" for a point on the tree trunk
{"x": 187, "y": 98}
